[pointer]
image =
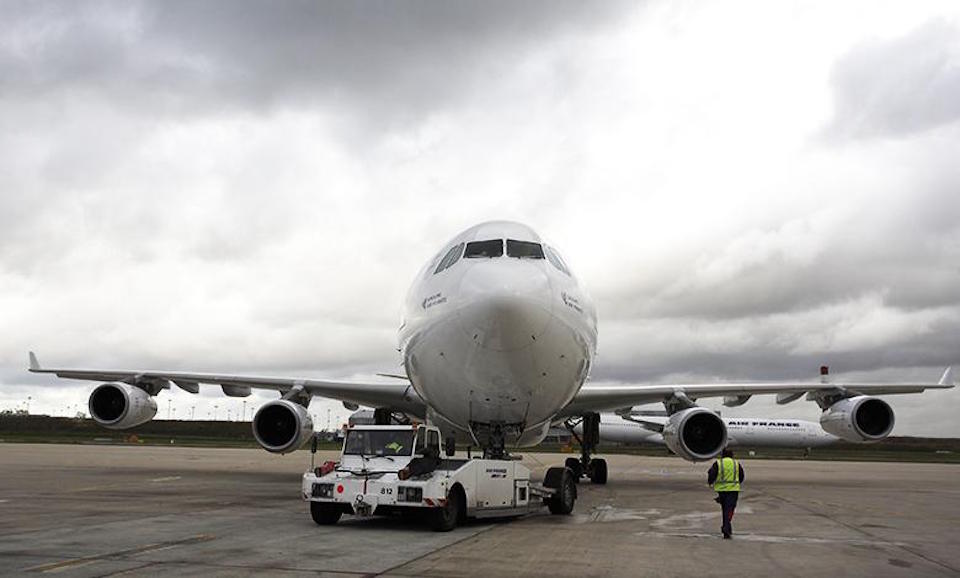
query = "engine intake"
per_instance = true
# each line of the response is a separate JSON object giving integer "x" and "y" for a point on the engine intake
{"x": 858, "y": 419}
{"x": 696, "y": 434}
{"x": 121, "y": 406}
{"x": 282, "y": 426}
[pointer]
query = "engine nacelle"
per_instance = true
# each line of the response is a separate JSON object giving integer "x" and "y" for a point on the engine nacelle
{"x": 282, "y": 426}
{"x": 696, "y": 434}
{"x": 858, "y": 419}
{"x": 121, "y": 406}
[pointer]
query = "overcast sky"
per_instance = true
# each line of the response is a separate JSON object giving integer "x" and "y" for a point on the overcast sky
{"x": 748, "y": 189}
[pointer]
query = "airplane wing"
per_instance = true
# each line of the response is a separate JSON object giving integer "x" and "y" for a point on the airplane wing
{"x": 595, "y": 398}
{"x": 399, "y": 396}
{"x": 654, "y": 423}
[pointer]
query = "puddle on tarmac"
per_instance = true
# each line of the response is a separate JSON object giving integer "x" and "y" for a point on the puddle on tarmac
{"x": 693, "y": 520}
{"x": 687, "y": 521}
{"x": 871, "y": 543}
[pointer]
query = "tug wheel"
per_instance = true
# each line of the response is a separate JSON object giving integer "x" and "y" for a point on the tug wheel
{"x": 325, "y": 514}
{"x": 563, "y": 500}
{"x": 444, "y": 519}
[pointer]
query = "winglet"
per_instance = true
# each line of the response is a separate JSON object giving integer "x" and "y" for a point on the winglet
{"x": 34, "y": 364}
{"x": 947, "y": 377}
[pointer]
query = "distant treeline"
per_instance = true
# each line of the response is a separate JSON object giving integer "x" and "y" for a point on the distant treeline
{"x": 41, "y": 428}
{"x": 39, "y": 424}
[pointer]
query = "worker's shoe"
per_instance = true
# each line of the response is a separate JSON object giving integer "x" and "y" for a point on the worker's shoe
{"x": 726, "y": 536}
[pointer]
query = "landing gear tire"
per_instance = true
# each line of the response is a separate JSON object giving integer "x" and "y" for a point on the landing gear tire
{"x": 590, "y": 423}
{"x": 445, "y": 519}
{"x": 325, "y": 514}
{"x": 598, "y": 471}
{"x": 563, "y": 500}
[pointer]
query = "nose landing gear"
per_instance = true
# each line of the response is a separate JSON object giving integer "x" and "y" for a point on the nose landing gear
{"x": 593, "y": 468}
{"x": 386, "y": 416}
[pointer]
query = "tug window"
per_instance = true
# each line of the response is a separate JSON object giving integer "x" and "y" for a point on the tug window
{"x": 479, "y": 249}
{"x": 433, "y": 441}
{"x": 524, "y": 249}
{"x": 378, "y": 443}
{"x": 452, "y": 256}
{"x": 427, "y": 439}
{"x": 421, "y": 441}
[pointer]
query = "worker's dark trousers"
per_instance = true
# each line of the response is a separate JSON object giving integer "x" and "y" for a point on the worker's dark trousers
{"x": 728, "y": 503}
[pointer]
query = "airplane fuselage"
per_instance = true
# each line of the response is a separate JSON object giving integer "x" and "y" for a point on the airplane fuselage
{"x": 492, "y": 338}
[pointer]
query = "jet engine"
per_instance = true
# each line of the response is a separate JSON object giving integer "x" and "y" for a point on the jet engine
{"x": 695, "y": 434}
{"x": 282, "y": 426}
{"x": 858, "y": 419}
{"x": 121, "y": 406}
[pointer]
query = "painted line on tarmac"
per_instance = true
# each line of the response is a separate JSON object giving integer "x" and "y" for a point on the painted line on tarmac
{"x": 121, "y": 485}
{"x": 86, "y": 560}
{"x": 166, "y": 479}
{"x": 69, "y": 567}
{"x": 98, "y": 488}
{"x": 772, "y": 539}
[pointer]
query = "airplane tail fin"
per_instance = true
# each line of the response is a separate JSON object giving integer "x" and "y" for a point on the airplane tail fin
{"x": 947, "y": 377}
{"x": 34, "y": 364}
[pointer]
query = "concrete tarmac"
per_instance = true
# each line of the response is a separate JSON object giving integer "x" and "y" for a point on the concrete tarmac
{"x": 133, "y": 510}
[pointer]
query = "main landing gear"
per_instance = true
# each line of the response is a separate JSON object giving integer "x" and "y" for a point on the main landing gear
{"x": 593, "y": 468}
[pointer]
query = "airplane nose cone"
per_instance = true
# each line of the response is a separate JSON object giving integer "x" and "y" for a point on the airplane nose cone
{"x": 506, "y": 303}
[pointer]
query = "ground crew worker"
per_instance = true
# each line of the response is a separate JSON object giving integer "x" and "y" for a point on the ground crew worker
{"x": 725, "y": 476}
{"x": 394, "y": 447}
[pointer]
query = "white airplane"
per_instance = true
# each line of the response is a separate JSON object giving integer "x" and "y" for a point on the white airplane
{"x": 498, "y": 339}
{"x": 741, "y": 431}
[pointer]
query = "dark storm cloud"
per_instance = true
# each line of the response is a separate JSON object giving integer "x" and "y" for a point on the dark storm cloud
{"x": 878, "y": 287}
{"x": 768, "y": 357}
{"x": 83, "y": 84}
{"x": 908, "y": 252}
{"x": 898, "y": 87}
{"x": 392, "y": 60}
{"x": 248, "y": 186}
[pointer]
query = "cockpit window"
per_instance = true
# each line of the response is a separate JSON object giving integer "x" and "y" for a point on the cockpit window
{"x": 524, "y": 249}
{"x": 479, "y": 249}
{"x": 452, "y": 256}
{"x": 555, "y": 260}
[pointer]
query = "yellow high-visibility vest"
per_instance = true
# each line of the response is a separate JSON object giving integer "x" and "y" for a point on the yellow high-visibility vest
{"x": 728, "y": 476}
